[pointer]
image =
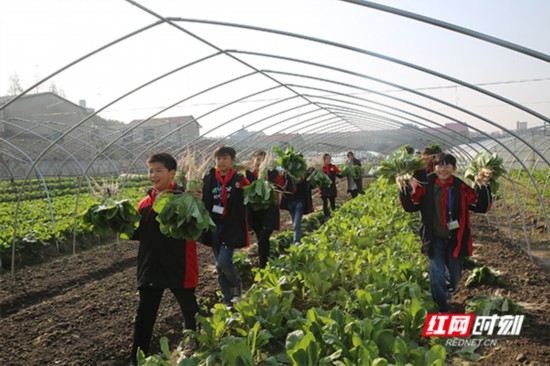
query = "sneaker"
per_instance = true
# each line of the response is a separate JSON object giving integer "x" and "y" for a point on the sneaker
{"x": 190, "y": 347}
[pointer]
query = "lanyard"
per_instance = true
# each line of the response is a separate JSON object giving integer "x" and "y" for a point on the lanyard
{"x": 450, "y": 203}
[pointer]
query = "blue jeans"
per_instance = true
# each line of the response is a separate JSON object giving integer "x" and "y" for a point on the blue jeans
{"x": 296, "y": 209}
{"x": 228, "y": 277}
{"x": 441, "y": 259}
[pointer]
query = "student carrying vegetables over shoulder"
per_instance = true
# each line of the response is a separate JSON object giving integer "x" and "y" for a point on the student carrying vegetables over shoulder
{"x": 264, "y": 221}
{"x": 223, "y": 197}
{"x": 355, "y": 183}
{"x": 444, "y": 203}
{"x": 427, "y": 155}
{"x": 162, "y": 262}
{"x": 328, "y": 194}
{"x": 296, "y": 199}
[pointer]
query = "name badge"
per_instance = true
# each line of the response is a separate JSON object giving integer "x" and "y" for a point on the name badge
{"x": 453, "y": 225}
{"x": 217, "y": 209}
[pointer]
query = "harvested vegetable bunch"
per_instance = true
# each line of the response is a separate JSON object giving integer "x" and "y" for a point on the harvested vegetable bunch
{"x": 112, "y": 216}
{"x": 260, "y": 194}
{"x": 408, "y": 148}
{"x": 354, "y": 171}
{"x": 435, "y": 148}
{"x": 401, "y": 164}
{"x": 182, "y": 216}
{"x": 485, "y": 166}
{"x": 485, "y": 276}
{"x": 291, "y": 161}
{"x": 191, "y": 170}
{"x": 318, "y": 179}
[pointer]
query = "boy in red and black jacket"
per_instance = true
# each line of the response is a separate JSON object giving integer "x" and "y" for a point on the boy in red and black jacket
{"x": 162, "y": 262}
{"x": 264, "y": 222}
{"x": 444, "y": 203}
{"x": 223, "y": 197}
{"x": 329, "y": 194}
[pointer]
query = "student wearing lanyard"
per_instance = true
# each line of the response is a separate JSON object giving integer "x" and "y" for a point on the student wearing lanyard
{"x": 444, "y": 202}
{"x": 223, "y": 197}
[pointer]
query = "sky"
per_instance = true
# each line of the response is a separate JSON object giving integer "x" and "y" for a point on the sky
{"x": 38, "y": 38}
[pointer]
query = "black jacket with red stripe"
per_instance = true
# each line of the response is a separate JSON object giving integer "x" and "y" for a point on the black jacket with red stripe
{"x": 163, "y": 262}
{"x": 235, "y": 223}
{"x": 464, "y": 199}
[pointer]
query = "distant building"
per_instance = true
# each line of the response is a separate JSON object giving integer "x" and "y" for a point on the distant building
{"x": 172, "y": 129}
{"x": 42, "y": 114}
{"x": 521, "y": 126}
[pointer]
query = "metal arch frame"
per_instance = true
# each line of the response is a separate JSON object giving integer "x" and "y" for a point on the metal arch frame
{"x": 97, "y": 50}
{"x": 445, "y": 116}
{"x": 91, "y": 116}
{"x": 16, "y": 214}
{"x": 171, "y": 20}
{"x": 385, "y": 121}
{"x": 401, "y": 87}
{"x": 46, "y": 139}
{"x": 46, "y": 79}
{"x": 452, "y": 27}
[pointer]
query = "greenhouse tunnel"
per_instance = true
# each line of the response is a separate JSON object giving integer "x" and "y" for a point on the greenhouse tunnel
{"x": 253, "y": 87}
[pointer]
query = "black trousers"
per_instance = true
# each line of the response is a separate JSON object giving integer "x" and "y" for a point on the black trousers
{"x": 326, "y": 209}
{"x": 354, "y": 193}
{"x": 149, "y": 302}
{"x": 263, "y": 236}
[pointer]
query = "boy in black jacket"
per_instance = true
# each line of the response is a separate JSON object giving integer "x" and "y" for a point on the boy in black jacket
{"x": 162, "y": 262}
{"x": 444, "y": 203}
{"x": 223, "y": 197}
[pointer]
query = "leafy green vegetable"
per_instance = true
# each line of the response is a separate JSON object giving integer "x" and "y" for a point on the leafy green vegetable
{"x": 485, "y": 275}
{"x": 483, "y": 305}
{"x": 354, "y": 171}
{"x": 182, "y": 216}
{"x": 435, "y": 148}
{"x": 292, "y": 162}
{"x": 402, "y": 164}
{"x": 260, "y": 194}
{"x": 489, "y": 165}
{"x": 318, "y": 179}
{"x": 112, "y": 216}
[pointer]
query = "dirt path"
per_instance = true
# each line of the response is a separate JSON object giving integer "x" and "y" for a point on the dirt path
{"x": 79, "y": 310}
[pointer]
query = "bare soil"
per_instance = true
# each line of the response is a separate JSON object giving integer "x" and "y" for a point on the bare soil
{"x": 79, "y": 310}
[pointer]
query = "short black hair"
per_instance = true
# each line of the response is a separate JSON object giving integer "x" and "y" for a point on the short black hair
{"x": 445, "y": 158}
{"x": 350, "y": 153}
{"x": 225, "y": 151}
{"x": 326, "y": 155}
{"x": 165, "y": 158}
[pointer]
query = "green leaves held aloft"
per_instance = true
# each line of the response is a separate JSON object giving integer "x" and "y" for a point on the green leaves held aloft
{"x": 260, "y": 194}
{"x": 489, "y": 165}
{"x": 318, "y": 179}
{"x": 182, "y": 216}
{"x": 399, "y": 163}
{"x": 293, "y": 162}
{"x": 354, "y": 171}
{"x": 112, "y": 216}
